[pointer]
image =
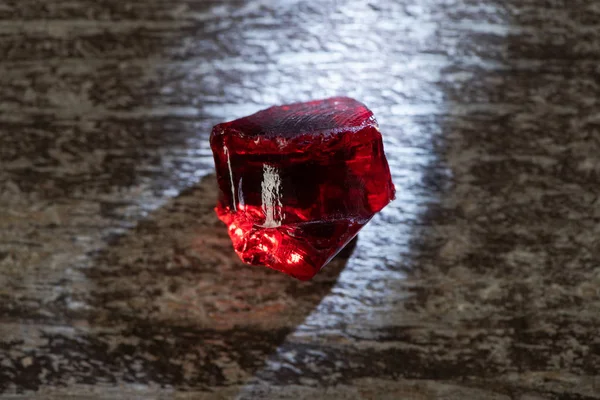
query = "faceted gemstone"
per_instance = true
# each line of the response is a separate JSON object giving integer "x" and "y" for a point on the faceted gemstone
{"x": 297, "y": 182}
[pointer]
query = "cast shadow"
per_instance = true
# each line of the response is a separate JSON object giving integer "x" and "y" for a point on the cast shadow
{"x": 172, "y": 298}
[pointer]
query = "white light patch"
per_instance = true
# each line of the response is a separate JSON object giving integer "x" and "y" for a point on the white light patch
{"x": 294, "y": 257}
{"x": 226, "y": 151}
{"x": 271, "y": 197}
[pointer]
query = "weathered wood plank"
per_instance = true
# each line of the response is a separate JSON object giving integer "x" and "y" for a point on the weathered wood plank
{"x": 480, "y": 280}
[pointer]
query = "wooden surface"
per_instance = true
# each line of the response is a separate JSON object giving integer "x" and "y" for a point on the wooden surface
{"x": 481, "y": 281}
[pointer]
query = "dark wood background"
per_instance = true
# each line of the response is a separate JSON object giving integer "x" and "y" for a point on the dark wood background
{"x": 481, "y": 281}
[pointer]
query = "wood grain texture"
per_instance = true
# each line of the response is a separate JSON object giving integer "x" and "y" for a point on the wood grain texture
{"x": 481, "y": 281}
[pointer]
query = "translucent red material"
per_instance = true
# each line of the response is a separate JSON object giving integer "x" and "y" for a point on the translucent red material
{"x": 297, "y": 182}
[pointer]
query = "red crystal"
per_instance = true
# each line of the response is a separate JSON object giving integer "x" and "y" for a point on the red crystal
{"x": 297, "y": 182}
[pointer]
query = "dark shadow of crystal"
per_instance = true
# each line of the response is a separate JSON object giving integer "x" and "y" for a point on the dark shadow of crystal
{"x": 172, "y": 305}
